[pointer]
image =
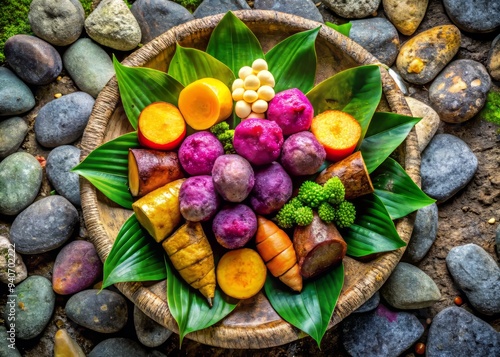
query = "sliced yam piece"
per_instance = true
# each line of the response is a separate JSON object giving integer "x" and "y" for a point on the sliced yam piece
{"x": 188, "y": 233}
{"x": 193, "y": 272}
{"x": 191, "y": 254}
{"x": 281, "y": 263}
{"x": 270, "y": 248}
{"x": 292, "y": 278}
{"x": 206, "y": 286}
{"x": 264, "y": 229}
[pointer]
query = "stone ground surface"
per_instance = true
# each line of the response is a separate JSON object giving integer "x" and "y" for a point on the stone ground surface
{"x": 463, "y": 219}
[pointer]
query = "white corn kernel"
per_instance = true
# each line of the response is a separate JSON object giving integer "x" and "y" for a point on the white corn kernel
{"x": 238, "y": 83}
{"x": 242, "y": 109}
{"x": 266, "y": 78}
{"x": 266, "y": 93}
{"x": 259, "y": 65}
{"x": 252, "y": 82}
{"x": 244, "y": 72}
{"x": 238, "y": 94}
{"x": 259, "y": 106}
{"x": 250, "y": 96}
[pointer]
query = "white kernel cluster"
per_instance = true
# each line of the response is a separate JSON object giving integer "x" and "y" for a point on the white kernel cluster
{"x": 253, "y": 90}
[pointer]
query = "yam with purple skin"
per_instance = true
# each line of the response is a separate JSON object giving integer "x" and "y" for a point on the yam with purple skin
{"x": 233, "y": 177}
{"x": 234, "y": 226}
{"x": 272, "y": 189}
{"x": 198, "y": 152}
{"x": 302, "y": 154}
{"x": 258, "y": 140}
{"x": 291, "y": 110}
{"x": 198, "y": 199}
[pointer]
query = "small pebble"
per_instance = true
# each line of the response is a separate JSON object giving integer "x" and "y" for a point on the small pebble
{"x": 64, "y": 345}
{"x": 303, "y": 8}
{"x": 58, "y": 95}
{"x": 492, "y": 221}
{"x": 58, "y": 168}
{"x": 420, "y": 348}
{"x": 12, "y": 134}
{"x": 15, "y": 96}
{"x": 458, "y": 301}
{"x": 11, "y": 261}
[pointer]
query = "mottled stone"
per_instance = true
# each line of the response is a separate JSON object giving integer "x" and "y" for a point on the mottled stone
{"x": 12, "y": 134}
{"x": 32, "y": 59}
{"x": 15, "y": 96}
{"x": 353, "y": 9}
{"x": 424, "y": 233}
{"x": 497, "y": 240}
{"x": 12, "y": 268}
{"x": 448, "y": 165}
{"x": 456, "y": 332}
{"x": 99, "y": 310}
{"x": 89, "y": 66}
{"x": 58, "y": 168}
{"x": 20, "y": 181}
{"x": 59, "y": 22}
{"x": 30, "y": 307}
{"x": 479, "y": 16}
{"x": 149, "y": 332}
{"x": 459, "y": 92}
{"x": 63, "y": 120}
{"x": 422, "y": 57}
{"x": 43, "y": 226}
{"x": 64, "y": 345}
{"x": 112, "y": 24}
{"x": 303, "y": 8}
{"x": 428, "y": 125}
{"x": 118, "y": 346}
{"x": 8, "y": 341}
{"x": 212, "y": 7}
{"x": 370, "y": 304}
{"x": 380, "y": 333}
{"x": 478, "y": 275}
{"x": 493, "y": 61}
{"x": 406, "y": 15}
{"x": 157, "y": 16}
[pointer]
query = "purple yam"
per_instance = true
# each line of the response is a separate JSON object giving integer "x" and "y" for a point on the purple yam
{"x": 291, "y": 110}
{"x": 233, "y": 177}
{"x": 302, "y": 154}
{"x": 258, "y": 140}
{"x": 272, "y": 189}
{"x": 198, "y": 199}
{"x": 76, "y": 268}
{"x": 234, "y": 226}
{"x": 198, "y": 152}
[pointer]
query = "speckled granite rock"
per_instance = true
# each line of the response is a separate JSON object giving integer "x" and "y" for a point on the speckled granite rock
{"x": 353, "y": 9}
{"x": 478, "y": 16}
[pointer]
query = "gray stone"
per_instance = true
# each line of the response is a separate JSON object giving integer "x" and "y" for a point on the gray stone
{"x": 12, "y": 134}
{"x": 424, "y": 233}
{"x": 380, "y": 333}
{"x": 353, "y": 9}
{"x": 406, "y": 15}
{"x": 112, "y": 24}
{"x": 20, "y": 181}
{"x": 58, "y": 167}
{"x": 378, "y": 36}
{"x": 459, "y": 92}
{"x": 428, "y": 125}
{"x": 15, "y": 96}
{"x": 478, "y": 275}
{"x": 156, "y": 353}
{"x": 59, "y": 22}
{"x": 99, "y": 310}
{"x": 370, "y": 304}
{"x": 303, "y": 8}
{"x": 497, "y": 240}
{"x": 43, "y": 226}
{"x": 8, "y": 342}
{"x": 157, "y": 16}
{"x": 408, "y": 287}
{"x": 34, "y": 60}
{"x": 212, "y": 7}
{"x": 456, "y": 332}
{"x": 63, "y": 120}
{"x": 31, "y": 306}
{"x": 89, "y": 66}
{"x": 12, "y": 268}
{"x": 448, "y": 165}
{"x": 118, "y": 346}
{"x": 149, "y": 332}
{"x": 493, "y": 61}
{"x": 478, "y": 16}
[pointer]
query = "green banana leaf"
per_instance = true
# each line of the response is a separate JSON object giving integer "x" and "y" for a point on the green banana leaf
{"x": 293, "y": 61}
{"x": 356, "y": 91}
{"x": 312, "y": 309}
{"x": 399, "y": 194}
{"x": 189, "y": 308}
{"x": 190, "y": 64}
{"x": 234, "y": 44}
{"x": 385, "y": 133}
{"x": 106, "y": 168}
{"x": 373, "y": 230}
{"x": 135, "y": 256}
{"x": 344, "y": 29}
{"x": 141, "y": 86}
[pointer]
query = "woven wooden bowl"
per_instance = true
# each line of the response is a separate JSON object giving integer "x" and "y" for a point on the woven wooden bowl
{"x": 254, "y": 324}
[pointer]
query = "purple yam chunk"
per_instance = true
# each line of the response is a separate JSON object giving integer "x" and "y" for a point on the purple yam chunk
{"x": 198, "y": 199}
{"x": 233, "y": 177}
{"x": 302, "y": 154}
{"x": 291, "y": 110}
{"x": 234, "y": 226}
{"x": 198, "y": 152}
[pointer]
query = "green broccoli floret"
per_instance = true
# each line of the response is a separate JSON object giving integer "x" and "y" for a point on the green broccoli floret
{"x": 345, "y": 214}
{"x": 326, "y": 212}
{"x": 296, "y": 203}
{"x": 219, "y": 128}
{"x": 311, "y": 194}
{"x": 225, "y": 136}
{"x": 303, "y": 216}
{"x": 334, "y": 191}
{"x": 286, "y": 216}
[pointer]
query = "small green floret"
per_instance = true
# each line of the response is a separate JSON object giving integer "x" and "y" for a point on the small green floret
{"x": 286, "y": 216}
{"x": 304, "y": 216}
{"x": 345, "y": 214}
{"x": 334, "y": 191}
{"x": 225, "y": 136}
{"x": 311, "y": 194}
{"x": 491, "y": 109}
{"x": 326, "y": 212}
{"x": 295, "y": 202}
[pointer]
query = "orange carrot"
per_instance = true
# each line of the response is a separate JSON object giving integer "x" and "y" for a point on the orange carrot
{"x": 277, "y": 251}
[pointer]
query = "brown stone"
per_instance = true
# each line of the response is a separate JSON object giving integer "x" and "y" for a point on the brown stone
{"x": 65, "y": 346}
{"x": 406, "y": 15}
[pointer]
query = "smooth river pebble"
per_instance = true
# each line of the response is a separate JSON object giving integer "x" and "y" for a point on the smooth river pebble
{"x": 58, "y": 167}
{"x": 406, "y": 15}
{"x": 118, "y": 346}
{"x": 15, "y": 96}
{"x": 12, "y": 134}
{"x": 424, "y": 233}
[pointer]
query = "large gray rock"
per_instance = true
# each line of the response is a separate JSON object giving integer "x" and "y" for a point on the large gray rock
{"x": 58, "y": 167}
{"x": 478, "y": 16}
{"x": 478, "y": 275}
{"x": 304, "y": 8}
{"x": 424, "y": 233}
{"x": 212, "y": 7}
{"x": 59, "y": 22}
{"x": 89, "y": 66}
{"x": 12, "y": 268}
{"x": 12, "y": 134}
{"x": 118, "y": 346}
{"x": 43, "y": 226}
{"x": 353, "y": 9}
{"x": 456, "y": 332}
{"x": 15, "y": 96}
